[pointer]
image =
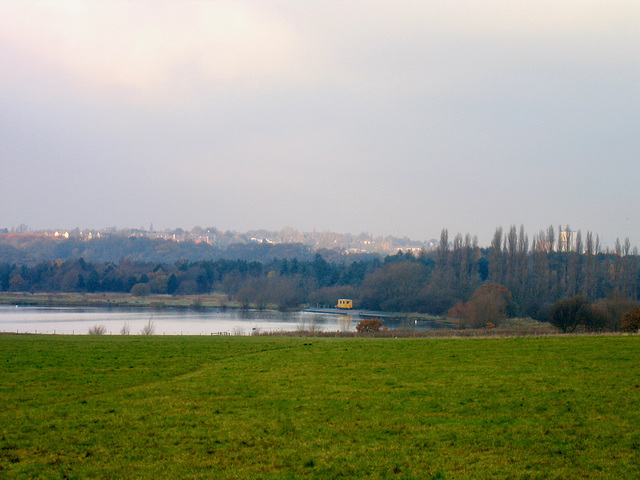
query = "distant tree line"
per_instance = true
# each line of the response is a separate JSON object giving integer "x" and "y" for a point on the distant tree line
{"x": 111, "y": 245}
{"x": 478, "y": 286}
{"x": 30, "y": 249}
{"x": 285, "y": 283}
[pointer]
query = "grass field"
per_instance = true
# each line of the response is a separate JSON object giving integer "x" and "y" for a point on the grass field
{"x": 272, "y": 407}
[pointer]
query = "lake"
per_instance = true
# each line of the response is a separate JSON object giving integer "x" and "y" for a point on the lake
{"x": 78, "y": 321}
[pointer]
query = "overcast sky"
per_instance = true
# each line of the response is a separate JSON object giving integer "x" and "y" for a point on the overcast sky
{"x": 388, "y": 117}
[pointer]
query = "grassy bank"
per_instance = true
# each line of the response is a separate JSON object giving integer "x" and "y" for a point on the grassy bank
{"x": 119, "y": 300}
{"x": 275, "y": 407}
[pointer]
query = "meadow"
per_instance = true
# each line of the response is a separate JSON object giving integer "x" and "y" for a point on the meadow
{"x": 77, "y": 407}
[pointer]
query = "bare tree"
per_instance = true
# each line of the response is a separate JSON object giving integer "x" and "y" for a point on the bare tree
{"x": 148, "y": 329}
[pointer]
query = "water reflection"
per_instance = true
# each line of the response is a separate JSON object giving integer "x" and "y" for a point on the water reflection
{"x": 165, "y": 322}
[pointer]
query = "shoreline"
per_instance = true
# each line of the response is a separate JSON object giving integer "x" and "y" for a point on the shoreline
{"x": 117, "y": 300}
{"x": 192, "y": 302}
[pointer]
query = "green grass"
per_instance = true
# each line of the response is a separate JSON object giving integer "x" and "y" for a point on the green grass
{"x": 270, "y": 407}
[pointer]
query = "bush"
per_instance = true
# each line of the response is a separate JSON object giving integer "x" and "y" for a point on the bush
{"x": 463, "y": 312}
{"x": 631, "y": 320}
{"x": 596, "y": 319}
{"x": 614, "y": 307}
{"x": 369, "y": 325}
{"x": 148, "y": 329}
{"x": 97, "y": 330}
{"x": 568, "y": 313}
{"x": 492, "y": 303}
{"x": 141, "y": 290}
{"x": 489, "y": 305}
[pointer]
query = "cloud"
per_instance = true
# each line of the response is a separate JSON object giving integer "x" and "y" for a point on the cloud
{"x": 151, "y": 49}
{"x": 170, "y": 52}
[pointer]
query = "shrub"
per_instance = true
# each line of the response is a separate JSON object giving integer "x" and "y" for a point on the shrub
{"x": 614, "y": 307}
{"x": 463, "y": 312}
{"x": 568, "y": 313}
{"x": 631, "y": 320}
{"x": 97, "y": 330}
{"x": 596, "y": 319}
{"x": 489, "y": 305}
{"x": 369, "y": 325}
{"x": 140, "y": 290}
{"x": 148, "y": 329}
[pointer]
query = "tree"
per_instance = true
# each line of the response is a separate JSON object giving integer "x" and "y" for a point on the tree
{"x": 172, "y": 284}
{"x": 93, "y": 282}
{"x": 496, "y": 268}
{"x": 5, "y": 276}
{"x": 321, "y": 270}
{"x": 158, "y": 283}
{"x": 568, "y": 313}
{"x": 395, "y": 287}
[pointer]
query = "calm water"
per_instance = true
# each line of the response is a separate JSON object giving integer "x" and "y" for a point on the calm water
{"x": 78, "y": 321}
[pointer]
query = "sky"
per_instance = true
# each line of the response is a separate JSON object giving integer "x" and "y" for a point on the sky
{"x": 392, "y": 118}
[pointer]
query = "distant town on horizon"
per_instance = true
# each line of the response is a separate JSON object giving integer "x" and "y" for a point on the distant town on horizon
{"x": 316, "y": 240}
{"x": 348, "y": 243}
